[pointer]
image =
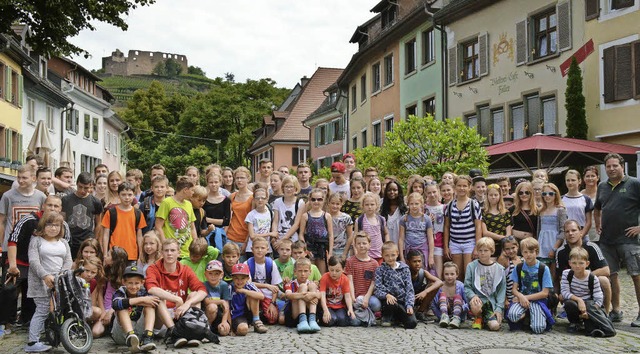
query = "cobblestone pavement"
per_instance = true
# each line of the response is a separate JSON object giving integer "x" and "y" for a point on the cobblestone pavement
{"x": 426, "y": 338}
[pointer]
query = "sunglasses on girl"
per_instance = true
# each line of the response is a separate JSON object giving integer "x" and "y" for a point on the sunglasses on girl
{"x": 317, "y": 199}
{"x": 551, "y": 194}
{"x": 524, "y": 193}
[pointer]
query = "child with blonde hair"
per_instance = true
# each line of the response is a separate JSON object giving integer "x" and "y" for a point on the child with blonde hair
{"x": 551, "y": 225}
{"x": 316, "y": 228}
{"x": 373, "y": 224}
{"x": 200, "y": 254}
{"x": 435, "y": 210}
{"x": 342, "y": 225}
{"x": 150, "y": 250}
{"x": 450, "y": 303}
{"x": 416, "y": 232}
{"x": 496, "y": 219}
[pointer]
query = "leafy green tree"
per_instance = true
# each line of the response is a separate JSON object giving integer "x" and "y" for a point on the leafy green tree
{"x": 194, "y": 70}
{"x": 575, "y": 103}
{"x": 54, "y": 22}
{"x": 172, "y": 67}
{"x": 160, "y": 69}
{"x": 427, "y": 146}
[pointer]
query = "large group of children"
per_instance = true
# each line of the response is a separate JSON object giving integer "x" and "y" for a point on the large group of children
{"x": 353, "y": 251}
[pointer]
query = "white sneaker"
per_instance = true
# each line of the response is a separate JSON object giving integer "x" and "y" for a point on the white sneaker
{"x": 37, "y": 347}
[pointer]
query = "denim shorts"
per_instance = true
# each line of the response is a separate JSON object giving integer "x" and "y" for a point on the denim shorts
{"x": 629, "y": 253}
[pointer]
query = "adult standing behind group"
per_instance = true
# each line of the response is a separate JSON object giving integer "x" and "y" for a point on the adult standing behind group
{"x": 617, "y": 209}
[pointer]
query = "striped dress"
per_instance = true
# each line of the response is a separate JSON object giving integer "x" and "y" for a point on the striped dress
{"x": 462, "y": 229}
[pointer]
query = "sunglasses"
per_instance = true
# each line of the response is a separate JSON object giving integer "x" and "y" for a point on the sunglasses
{"x": 551, "y": 194}
{"x": 524, "y": 193}
{"x": 316, "y": 199}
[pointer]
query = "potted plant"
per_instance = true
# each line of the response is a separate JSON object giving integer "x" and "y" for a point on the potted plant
{"x": 4, "y": 162}
{"x": 15, "y": 164}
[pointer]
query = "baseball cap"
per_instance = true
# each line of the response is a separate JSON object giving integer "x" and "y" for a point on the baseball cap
{"x": 241, "y": 269}
{"x": 338, "y": 167}
{"x": 214, "y": 265}
{"x": 133, "y": 270}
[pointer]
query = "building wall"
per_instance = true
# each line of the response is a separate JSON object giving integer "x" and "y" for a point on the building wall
{"x": 506, "y": 84}
{"x": 111, "y": 154}
{"x": 426, "y": 81}
{"x": 29, "y": 127}
{"x": 360, "y": 115}
{"x": 10, "y": 125}
{"x": 614, "y": 120}
{"x": 386, "y": 103}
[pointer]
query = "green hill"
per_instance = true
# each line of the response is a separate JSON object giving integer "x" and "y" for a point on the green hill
{"x": 123, "y": 87}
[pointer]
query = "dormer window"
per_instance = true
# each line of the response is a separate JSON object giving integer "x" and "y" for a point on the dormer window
{"x": 333, "y": 96}
{"x": 42, "y": 67}
{"x": 389, "y": 15}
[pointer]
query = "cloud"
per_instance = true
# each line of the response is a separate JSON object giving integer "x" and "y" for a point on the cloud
{"x": 280, "y": 39}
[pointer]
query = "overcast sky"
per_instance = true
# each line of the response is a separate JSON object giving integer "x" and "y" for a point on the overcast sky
{"x": 280, "y": 39}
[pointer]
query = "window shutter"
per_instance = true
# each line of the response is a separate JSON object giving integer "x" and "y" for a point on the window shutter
{"x": 20, "y": 89}
{"x": 533, "y": 115}
{"x": 8, "y": 84}
{"x": 623, "y": 72}
{"x": 485, "y": 123}
{"x": 67, "y": 120}
{"x": 636, "y": 64}
{"x": 483, "y": 53}
{"x": 20, "y": 153}
{"x": 609, "y": 71}
{"x": 563, "y": 10}
{"x": 329, "y": 132}
{"x": 77, "y": 126}
{"x": 453, "y": 65}
{"x": 591, "y": 9}
{"x": 294, "y": 157}
{"x": 522, "y": 49}
{"x": 317, "y": 136}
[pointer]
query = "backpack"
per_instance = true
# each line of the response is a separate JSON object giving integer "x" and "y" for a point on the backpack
{"x": 193, "y": 325}
{"x": 552, "y": 298}
{"x": 149, "y": 212}
{"x": 268, "y": 265}
{"x": 113, "y": 220}
{"x": 381, "y": 221}
{"x": 473, "y": 209}
{"x": 298, "y": 199}
{"x": 591, "y": 281}
{"x": 598, "y": 319}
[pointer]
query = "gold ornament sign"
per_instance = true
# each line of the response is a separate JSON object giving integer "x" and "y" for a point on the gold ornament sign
{"x": 504, "y": 46}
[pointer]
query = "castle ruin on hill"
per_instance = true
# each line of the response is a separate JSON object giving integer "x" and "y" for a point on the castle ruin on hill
{"x": 139, "y": 62}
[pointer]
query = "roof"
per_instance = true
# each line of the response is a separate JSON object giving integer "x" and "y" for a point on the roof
{"x": 458, "y": 9}
{"x": 380, "y": 6}
{"x": 362, "y": 29}
{"x": 81, "y": 68}
{"x": 310, "y": 98}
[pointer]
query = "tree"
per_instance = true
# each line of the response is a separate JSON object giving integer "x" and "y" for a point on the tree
{"x": 54, "y": 22}
{"x": 575, "y": 103}
{"x": 173, "y": 68}
{"x": 195, "y": 70}
{"x": 160, "y": 69}
{"x": 427, "y": 146}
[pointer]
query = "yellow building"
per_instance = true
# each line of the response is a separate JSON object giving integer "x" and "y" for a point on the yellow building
{"x": 611, "y": 72}
{"x": 11, "y": 92}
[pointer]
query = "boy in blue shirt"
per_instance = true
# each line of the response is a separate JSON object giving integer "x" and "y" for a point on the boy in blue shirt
{"x": 245, "y": 301}
{"x": 528, "y": 294}
{"x": 216, "y": 304}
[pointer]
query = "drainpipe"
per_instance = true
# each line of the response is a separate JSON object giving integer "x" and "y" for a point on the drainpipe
{"x": 444, "y": 57}
{"x": 70, "y": 107}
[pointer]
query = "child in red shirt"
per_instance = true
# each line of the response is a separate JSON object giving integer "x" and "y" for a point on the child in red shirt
{"x": 337, "y": 304}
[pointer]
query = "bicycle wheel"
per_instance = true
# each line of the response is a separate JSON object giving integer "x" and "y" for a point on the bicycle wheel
{"x": 76, "y": 336}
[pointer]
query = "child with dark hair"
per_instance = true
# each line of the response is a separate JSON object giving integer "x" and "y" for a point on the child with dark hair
{"x": 425, "y": 284}
{"x": 122, "y": 225}
{"x": 336, "y": 301}
{"x": 393, "y": 207}
{"x": 115, "y": 262}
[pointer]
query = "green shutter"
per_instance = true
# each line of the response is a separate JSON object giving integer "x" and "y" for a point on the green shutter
{"x": 20, "y": 90}
{"x": 8, "y": 85}
{"x": 20, "y": 155}
{"x": 317, "y": 135}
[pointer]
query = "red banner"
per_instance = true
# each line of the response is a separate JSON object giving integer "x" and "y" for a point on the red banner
{"x": 580, "y": 55}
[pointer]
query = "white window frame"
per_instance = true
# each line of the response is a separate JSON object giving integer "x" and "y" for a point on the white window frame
{"x": 378, "y": 124}
{"x": 50, "y": 118}
{"x": 601, "y": 48}
{"x": 388, "y": 119}
{"x": 31, "y": 111}
{"x": 607, "y": 14}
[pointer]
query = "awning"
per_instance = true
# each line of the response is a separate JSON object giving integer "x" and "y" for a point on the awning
{"x": 545, "y": 151}
{"x": 520, "y": 173}
{"x": 66, "y": 156}
{"x": 40, "y": 144}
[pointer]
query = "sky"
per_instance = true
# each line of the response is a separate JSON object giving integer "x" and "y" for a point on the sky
{"x": 279, "y": 39}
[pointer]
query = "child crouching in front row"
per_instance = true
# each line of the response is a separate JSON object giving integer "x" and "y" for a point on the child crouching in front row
{"x": 337, "y": 304}
{"x": 394, "y": 288}
{"x": 485, "y": 287}
{"x": 425, "y": 284}
{"x": 245, "y": 301}
{"x": 303, "y": 296}
{"x": 450, "y": 304}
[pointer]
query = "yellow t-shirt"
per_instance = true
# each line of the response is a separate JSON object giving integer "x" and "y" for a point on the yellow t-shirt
{"x": 178, "y": 219}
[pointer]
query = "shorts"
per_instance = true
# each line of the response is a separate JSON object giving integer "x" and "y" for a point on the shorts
{"x": 629, "y": 253}
{"x": 318, "y": 250}
{"x": 120, "y": 336}
{"x": 438, "y": 251}
{"x": 264, "y": 306}
{"x": 462, "y": 248}
{"x": 235, "y": 322}
{"x": 487, "y": 313}
{"x": 218, "y": 320}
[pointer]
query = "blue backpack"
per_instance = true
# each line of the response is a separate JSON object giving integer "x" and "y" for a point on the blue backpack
{"x": 251, "y": 262}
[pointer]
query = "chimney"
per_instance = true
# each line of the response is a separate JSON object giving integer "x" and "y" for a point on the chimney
{"x": 304, "y": 81}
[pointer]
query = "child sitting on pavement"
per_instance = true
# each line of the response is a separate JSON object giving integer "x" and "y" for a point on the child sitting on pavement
{"x": 135, "y": 312}
{"x": 450, "y": 303}
{"x": 485, "y": 286}
{"x": 245, "y": 302}
{"x": 360, "y": 270}
{"x": 216, "y": 304}
{"x": 425, "y": 284}
{"x": 299, "y": 251}
{"x": 337, "y": 304}
{"x": 394, "y": 289}
{"x": 265, "y": 276}
{"x": 303, "y": 296}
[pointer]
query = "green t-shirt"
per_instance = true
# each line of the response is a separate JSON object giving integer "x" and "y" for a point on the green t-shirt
{"x": 315, "y": 273}
{"x": 178, "y": 218}
{"x": 200, "y": 267}
{"x": 283, "y": 266}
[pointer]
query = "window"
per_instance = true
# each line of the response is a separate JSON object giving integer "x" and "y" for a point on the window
{"x": 363, "y": 88}
{"x": 333, "y": 96}
{"x": 388, "y": 124}
{"x": 107, "y": 141}
{"x": 484, "y": 123}
{"x": 12, "y": 91}
{"x": 354, "y": 142}
{"x": 375, "y": 77}
{"x": 321, "y": 133}
{"x": 621, "y": 72}
{"x": 472, "y": 121}
{"x": 73, "y": 120}
{"x": 31, "y": 110}
{"x": 517, "y": 122}
{"x": 87, "y": 126}
{"x": 533, "y": 115}
{"x": 364, "y": 138}
{"x": 621, "y": 4}
{"x": 336, "y": 130}
{"x": 429, "y": 106}
{"x": 49, "y": 121}
{"x": 353, "y": 98}
{"x": 545, "y": 34}
{"x": 428, "y": 46}
{"x": 377, "y": 134}
{"x": 549, "y": 115}
{"x": 388, "y": 70}
{"x": 43, "y": 67}
{"x": 95, "y": 129}
{"x": 388, "y": 16}
{"x": 497, "y": 120}
{"x": 299, "y": 155}
{"x": 87, "y": 163}
{"x": 412, "y": 110}
{"x": 470, "y": 60}
{"x": 410, "y": 54}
